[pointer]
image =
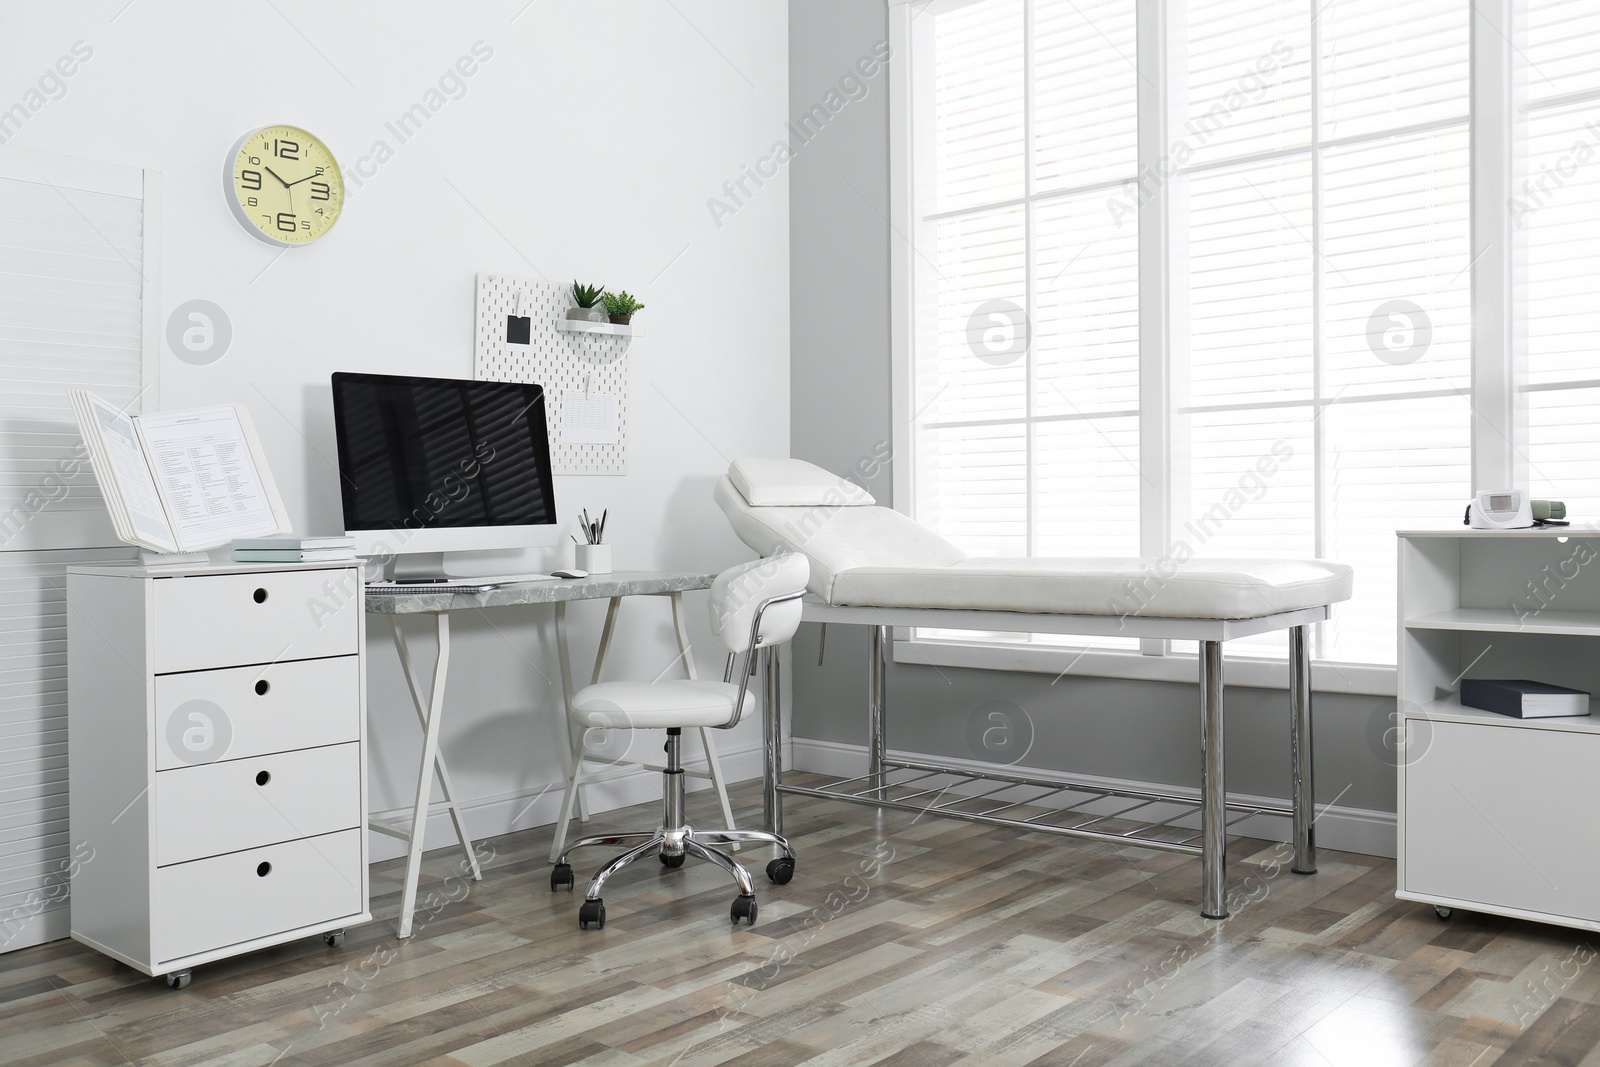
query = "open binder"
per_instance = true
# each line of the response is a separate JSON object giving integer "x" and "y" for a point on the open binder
{"x": 181, "y": 481}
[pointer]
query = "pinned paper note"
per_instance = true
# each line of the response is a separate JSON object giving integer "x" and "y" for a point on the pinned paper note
{"x": 592, "y": 419}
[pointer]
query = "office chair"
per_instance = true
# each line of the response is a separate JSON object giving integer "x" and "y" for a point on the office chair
{"x": 754, "y": 607}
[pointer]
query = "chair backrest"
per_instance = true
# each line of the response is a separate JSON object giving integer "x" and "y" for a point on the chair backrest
{"x": 739, "y": 593}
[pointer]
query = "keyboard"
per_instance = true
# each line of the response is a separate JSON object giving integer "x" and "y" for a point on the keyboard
{"x": 474, "y": 584}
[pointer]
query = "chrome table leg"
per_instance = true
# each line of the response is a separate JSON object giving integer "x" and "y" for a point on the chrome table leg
{"x": 772, "y": 745}
{"x": 877, "y": 706}
{"x": 1213, "y": 788}
{"x": 1305, "y": 834}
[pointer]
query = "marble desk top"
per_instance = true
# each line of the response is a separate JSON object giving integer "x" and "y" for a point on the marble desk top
{"x": 594, "y": 587}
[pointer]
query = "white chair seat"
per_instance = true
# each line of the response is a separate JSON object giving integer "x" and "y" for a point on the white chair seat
{"x": 682, "y": 702}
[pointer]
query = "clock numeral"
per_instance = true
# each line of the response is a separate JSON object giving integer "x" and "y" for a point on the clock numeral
{"x": 286, "y": 221}
{"x": 251, "y": 179}
{"x": 251, "y": 202}
{"x": 285, "y": 149}
{"x": 320, "y": 170}
{"x": 320, "y": 191}
{"x": 318, "y": 210}
{"x": 304, "y": 225}
{"x": 255, "y": 161}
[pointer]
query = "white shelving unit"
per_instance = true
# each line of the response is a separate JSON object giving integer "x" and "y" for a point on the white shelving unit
{"x": 1497, "y": 814}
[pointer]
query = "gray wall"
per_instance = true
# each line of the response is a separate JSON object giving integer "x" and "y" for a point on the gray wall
{"x": 839, "y": 289}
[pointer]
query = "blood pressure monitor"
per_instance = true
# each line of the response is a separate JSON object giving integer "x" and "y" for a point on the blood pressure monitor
{"x": 1500, "y": 509}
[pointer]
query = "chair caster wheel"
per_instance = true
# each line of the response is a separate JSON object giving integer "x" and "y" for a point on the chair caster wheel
{"x": 178, "y": 979}
{"x": 1443, "y": 912}
{"x": 561, "y": 877}
{"x": 781, "y": 870}
{"x": 672, "y": 861}
{"x": 592, "y": 911}
{"x": 743, "y": 908}
{"x": 333, "y": 938}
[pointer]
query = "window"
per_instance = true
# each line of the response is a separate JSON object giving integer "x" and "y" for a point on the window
{"x": 1555, "y": 212}
{"x": 1199, "y": 275}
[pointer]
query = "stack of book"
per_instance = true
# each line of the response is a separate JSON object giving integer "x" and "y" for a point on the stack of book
{"x": 293, "y": 549}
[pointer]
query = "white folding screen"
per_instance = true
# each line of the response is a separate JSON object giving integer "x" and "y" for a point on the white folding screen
{"x": 77, "y": 262}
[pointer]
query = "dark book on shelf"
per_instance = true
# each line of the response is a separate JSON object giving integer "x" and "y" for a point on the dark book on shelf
{"x": 1523, "y": 699}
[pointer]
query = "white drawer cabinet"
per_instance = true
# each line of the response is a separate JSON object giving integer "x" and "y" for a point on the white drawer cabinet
{"x": 216, "y": 759}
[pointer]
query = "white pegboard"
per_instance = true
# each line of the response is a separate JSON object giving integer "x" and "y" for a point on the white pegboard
{"x": 561, "y": 362}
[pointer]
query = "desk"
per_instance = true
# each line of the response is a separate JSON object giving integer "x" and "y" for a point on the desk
{"x": 430, "y": 705}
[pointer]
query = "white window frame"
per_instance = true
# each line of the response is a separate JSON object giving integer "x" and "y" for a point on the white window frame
{"x": 1498, "y": 428}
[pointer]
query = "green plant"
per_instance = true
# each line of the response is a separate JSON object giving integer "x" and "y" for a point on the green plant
{"x": 587, "y": 296}
{"x": 621, "y": 303}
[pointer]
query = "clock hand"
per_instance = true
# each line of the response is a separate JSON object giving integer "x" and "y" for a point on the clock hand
{"x": 307, "y": 178}
{"x": 274, "y": 173}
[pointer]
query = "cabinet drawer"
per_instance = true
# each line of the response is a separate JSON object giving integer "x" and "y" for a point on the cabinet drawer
{"x": 212, "y": 903}
{"x": 1501, "y": 815}
{"x": 226, "y": 620}
{"x": 245, "y": 803}
{"x": 208, "y": 716}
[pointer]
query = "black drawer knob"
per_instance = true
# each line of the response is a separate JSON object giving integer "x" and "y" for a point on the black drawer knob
{"x": 263, "y": 777}
{"x": 262, "y": 686}
{"x": 260, "y": 596}
{"x": 263, "y": 869}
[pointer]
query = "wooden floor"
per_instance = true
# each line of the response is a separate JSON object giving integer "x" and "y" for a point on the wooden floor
{"x": 903, "y": 941}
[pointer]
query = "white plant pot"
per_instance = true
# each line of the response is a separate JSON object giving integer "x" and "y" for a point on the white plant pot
{"x": 596, "y": 559}
{"x": 586, "y": 314}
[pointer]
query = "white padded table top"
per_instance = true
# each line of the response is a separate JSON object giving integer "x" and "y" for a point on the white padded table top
{"x": 876, "y": 557}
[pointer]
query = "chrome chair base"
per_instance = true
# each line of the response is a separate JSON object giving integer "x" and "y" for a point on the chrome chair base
{"x": 674, "y": 841}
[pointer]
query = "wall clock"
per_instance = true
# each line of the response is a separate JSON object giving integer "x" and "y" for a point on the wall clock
{"x": 283, "y": 185}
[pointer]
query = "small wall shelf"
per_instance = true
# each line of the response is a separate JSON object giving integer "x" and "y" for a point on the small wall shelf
{"x": 609, "y": 328}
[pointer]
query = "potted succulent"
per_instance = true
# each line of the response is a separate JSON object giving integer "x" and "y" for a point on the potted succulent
{"x": 586, "y": 299}
{"x": 621, "y": 307}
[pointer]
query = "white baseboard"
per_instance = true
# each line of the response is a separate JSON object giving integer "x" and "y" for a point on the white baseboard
{"x": 1370, "y": 833}
{"x": 495, "y": 815}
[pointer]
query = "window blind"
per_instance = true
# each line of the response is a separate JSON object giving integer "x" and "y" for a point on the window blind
{"x": 1556, "y": 216}
{"x": 72, "y": 298}
{"x": 1327, "y": 227}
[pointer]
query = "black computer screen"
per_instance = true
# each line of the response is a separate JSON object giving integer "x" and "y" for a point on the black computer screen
{"x": 441, "y": 453}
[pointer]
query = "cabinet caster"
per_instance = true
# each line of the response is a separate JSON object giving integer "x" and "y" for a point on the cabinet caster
{"x": 743, "y": 908}
{"x": 781, "y": 870}
{"x": 333, "y": 938}
{"x": 561, "y": 877}
{"x": 592, "y": 911}
{"x": 179, "y": 979}
{"x": 1443, "y": 912}
{"x": 672, "y": 861}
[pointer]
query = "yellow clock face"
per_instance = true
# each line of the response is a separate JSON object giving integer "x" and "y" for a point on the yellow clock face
{"x": 284, "y": 185}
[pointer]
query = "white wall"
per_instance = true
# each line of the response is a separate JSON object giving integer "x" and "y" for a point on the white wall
{"x": 586, "y": 145}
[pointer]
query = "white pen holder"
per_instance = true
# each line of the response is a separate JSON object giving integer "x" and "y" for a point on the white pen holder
{"x": 596, "y": 559}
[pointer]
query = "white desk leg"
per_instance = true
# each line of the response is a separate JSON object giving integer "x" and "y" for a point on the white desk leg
{"x": 404, "y": 650}
{"x": 682, "y": 631}
{"x": 605, "y": 639}
{"x": 430, "y": 753}
{"x": 565, "y": 658}
{"x": 681, "y": 628}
